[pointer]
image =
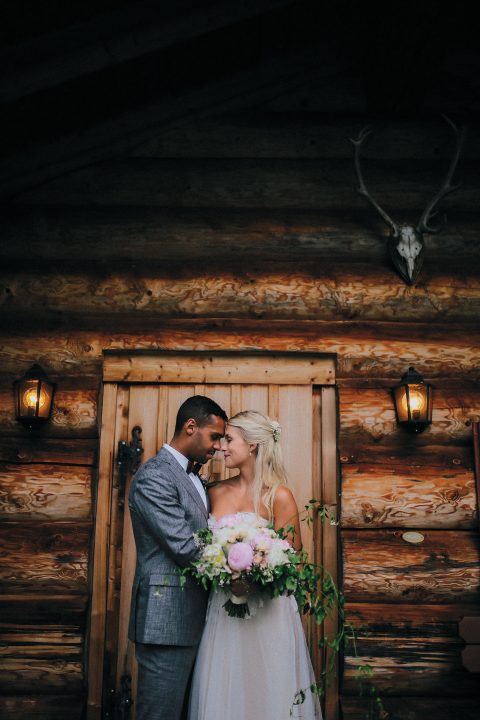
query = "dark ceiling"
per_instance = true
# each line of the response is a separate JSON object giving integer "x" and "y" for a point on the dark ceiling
{"x": 71, "y": 70}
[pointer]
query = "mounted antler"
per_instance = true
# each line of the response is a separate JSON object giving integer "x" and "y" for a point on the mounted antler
{"x": 446, "y": 187}
{"x": 362, "y": 188}
{"x": 406, "y": 244}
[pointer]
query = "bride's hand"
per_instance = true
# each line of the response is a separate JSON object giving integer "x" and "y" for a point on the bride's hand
{"x": 240, "y": 587}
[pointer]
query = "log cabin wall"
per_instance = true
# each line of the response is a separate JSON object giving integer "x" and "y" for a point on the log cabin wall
{"x": 245, "y": 231}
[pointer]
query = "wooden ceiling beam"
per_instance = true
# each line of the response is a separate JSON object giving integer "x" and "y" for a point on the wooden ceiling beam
{"x": 113, "y": 38}
{"x": 119, "y": 134}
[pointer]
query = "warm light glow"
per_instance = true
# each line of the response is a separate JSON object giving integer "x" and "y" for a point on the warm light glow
{"x": 413, "y": 401}
{"x": 417, "y": 401}
{"x": 30, "y": 398}
{"x": 34, "y": 397}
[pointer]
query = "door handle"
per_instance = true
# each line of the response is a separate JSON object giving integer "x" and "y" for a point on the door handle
{"x": 128, "y": 460}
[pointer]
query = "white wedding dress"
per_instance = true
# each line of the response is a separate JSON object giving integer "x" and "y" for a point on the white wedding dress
{"x": 253, "y": 668}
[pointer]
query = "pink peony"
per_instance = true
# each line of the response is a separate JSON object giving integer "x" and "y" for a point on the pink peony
{"x": 262, "y": 542}
{"x": 240, "y": 557}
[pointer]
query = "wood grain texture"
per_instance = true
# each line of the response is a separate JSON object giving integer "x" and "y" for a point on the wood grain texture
{"x": 100, "y": 554}
{"x": 384, "y": 615}
{"x": 398, "y": 496}
{"x": 47, "y": 675}
{"x": 406, "y": 707}
{"x": 368, "y": 416}
{"x": 45, "y": 492}
{"x": 58, "y": 451}
{"x": 379, "y": 566}
{"x": 407, "y": 455}
{"x": 42, "y": 707}
{"x": 364, "y": 350}
{"x": 423, "y": 663}
{"x": 322, "y": 291}
{"x": 67, "y": 610}
{"x": 152, "y": 237}
{"x": 73, "y": 415}
{"x": 252, "y": 182}
{"x": 45, "y": 642}
{"x": 45, "y": 558}
{"x": 226, "y": 368}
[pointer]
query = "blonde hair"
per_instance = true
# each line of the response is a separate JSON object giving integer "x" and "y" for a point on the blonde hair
{"x": 269, "y": 468}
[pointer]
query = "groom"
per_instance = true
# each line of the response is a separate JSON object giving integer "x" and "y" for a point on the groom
{"x": 168, "y": 504}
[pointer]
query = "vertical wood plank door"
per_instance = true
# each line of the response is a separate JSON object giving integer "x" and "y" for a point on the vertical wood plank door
{"x": 146, "y": 390}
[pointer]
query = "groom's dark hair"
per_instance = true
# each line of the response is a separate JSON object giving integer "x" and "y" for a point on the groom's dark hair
{"x": 200, "y": 408}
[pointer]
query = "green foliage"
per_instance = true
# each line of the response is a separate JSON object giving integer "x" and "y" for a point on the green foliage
{"x": 319, "y": 597}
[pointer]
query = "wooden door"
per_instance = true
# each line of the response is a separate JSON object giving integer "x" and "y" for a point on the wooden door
{"x": 146, "y": 390}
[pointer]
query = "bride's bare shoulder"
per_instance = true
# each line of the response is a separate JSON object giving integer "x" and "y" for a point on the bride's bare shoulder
{"x": 221, "y": 486}
{"x": 284, "y": 498}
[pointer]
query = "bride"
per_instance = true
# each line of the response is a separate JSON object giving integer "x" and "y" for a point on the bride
{"x": 254, "y": 667}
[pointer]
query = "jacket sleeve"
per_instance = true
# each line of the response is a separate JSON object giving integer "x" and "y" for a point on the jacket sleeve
{"x": 154, "y": 498}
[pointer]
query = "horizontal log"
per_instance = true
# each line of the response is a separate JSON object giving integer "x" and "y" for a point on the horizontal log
{"x": 259, "y": 183}
{"x": 364, "y": 350}
{"x": 381, "y": 615}
{"x": 19, "y": 675}
{"x": 412, "y": 708}
{"x": 57, "y": 451}
{"x": 368, "y": 416}
{"x": 398, "y": 496}
{"x": 406, "y": 455}
{"x": 321, "y": 292}
{"x": 307, "y": 135}
{"x": 424, "y": 665}
{"x": 374, "y": 639}
{"x": 44, "y": 643}
{"x": 42, "y": 707}
{"x": 44, "y": 558}
{"x": 45, "y": 492}
{"x": 74, "y": 414}
{"x": 153, "y": 237}
{"x": 68, "y": 610}
{"x": 44, "y": 652}
{"x": 379, "y": 566}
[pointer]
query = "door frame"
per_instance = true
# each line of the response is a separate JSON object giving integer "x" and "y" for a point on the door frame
{"x": 256, "y": 367}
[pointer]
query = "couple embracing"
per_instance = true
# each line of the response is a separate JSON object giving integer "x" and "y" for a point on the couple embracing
{"x": 244, "y": 669}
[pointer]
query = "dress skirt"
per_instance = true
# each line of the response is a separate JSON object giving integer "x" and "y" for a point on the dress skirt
{"x": 253, "y": 668}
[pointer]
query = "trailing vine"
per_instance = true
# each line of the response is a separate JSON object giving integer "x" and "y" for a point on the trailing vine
{"x": 322, "y": 599}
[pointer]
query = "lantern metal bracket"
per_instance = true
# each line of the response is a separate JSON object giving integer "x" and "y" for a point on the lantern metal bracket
{"x": 128, "y": 460}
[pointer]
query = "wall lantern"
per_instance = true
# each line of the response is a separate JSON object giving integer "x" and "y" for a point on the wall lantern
{"x": 413, "y": 402}
{"x": 34, "y": 397}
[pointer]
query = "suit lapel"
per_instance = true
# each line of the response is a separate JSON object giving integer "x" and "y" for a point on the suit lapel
{"x": 183, "y": 479}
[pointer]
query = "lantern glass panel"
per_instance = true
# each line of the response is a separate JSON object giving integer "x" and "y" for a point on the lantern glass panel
{"x": 34, "y": 397}
{"x": 413, "y": 402}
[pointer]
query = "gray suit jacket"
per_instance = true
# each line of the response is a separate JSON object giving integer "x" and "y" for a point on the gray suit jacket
{"x": 166, "y": 510}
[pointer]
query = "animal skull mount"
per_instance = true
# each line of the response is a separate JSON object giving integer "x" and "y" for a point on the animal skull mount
{"x": 406, "y": 245}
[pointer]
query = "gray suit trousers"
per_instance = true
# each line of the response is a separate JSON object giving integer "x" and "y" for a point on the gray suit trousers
{"x": 163, "y": 674}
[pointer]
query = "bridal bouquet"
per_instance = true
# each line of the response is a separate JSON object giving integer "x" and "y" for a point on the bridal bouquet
{"x": 240, "y": 548}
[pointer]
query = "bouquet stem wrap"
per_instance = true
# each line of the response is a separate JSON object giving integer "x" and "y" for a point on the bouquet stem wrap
{"x": 237, "y": 606}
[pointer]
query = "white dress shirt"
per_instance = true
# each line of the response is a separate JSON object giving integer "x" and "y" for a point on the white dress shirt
{"x": 183, "y": 461}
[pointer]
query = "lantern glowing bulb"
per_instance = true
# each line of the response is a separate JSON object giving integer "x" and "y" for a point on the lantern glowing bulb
{"x": 31, "y": 396}
{"x": 416, "y": 400}
{"x": 413, "y": 402}
{"x": 34, "y": 397}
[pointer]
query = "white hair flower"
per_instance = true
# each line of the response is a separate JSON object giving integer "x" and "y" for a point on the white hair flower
{"x": 276, "y": 431}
